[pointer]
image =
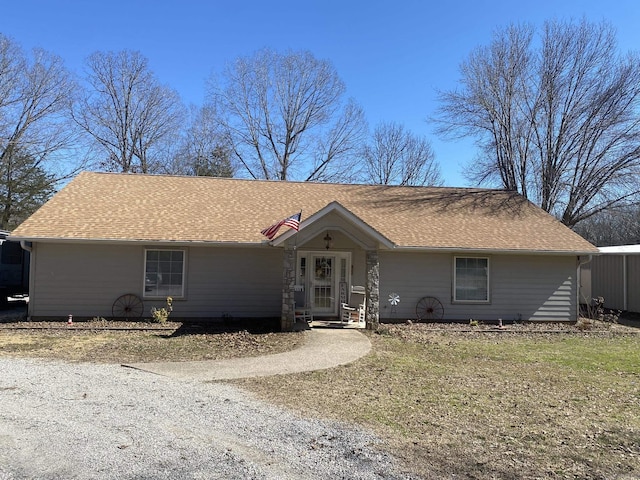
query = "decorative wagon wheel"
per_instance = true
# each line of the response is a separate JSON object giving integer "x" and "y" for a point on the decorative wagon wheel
{"x": 429, "y": 308}
{"x": 127, "y": 307}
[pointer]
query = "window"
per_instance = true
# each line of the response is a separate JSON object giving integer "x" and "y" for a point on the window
{"x": 471, "y": 279}
{"x": 164, "y": 273}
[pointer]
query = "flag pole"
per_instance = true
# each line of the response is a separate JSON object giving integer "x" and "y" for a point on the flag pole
{"x": 295, "y": 246}
{"x": 295, "y": 249}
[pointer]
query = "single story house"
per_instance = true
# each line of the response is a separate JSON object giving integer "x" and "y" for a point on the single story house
{"x": 615, "y": 276}
{"x": 481, "y": 254}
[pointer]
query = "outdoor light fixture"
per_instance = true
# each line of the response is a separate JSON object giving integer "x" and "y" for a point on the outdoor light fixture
{"x": 327, "y": 241}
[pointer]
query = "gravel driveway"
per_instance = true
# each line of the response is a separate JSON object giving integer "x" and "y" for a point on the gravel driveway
{"x": 87, "y": 421}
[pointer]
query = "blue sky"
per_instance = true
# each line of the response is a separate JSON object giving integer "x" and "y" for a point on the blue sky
{"x": 392, "y": 55}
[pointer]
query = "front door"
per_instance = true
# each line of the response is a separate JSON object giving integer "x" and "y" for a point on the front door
{"x": 323, "y": 273}
{"x": 323, "y": 284}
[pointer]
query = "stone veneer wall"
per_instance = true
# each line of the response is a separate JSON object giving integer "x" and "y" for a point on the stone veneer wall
{"x": 373, "y": 290}
{"x": 288, "y": 282}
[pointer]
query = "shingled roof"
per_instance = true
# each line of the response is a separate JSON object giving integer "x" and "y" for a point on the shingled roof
{"x": 157, "y": 208}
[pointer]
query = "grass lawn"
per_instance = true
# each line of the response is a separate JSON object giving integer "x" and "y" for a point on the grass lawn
{"x": 487, "y": 406}
{"x": 449, "y": 404}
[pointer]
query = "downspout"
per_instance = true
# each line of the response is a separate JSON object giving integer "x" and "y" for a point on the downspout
{"x": 26, "y": 245}
{"x": 579, "y": 280}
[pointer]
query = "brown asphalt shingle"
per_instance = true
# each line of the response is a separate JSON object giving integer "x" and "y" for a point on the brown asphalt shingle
{"x": 108, "y": 206}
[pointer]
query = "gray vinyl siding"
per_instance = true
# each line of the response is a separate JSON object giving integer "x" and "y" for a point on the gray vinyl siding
{"x": 535, "y": 288}
{"x": 522, "y": 287}
{"x": 585, "y": 280}
{"x": 240, "y": 282}
{"x": 84, "y": 280}
{"x": 413, "y": 276}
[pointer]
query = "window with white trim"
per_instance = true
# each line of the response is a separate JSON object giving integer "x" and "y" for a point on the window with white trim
{"x": 471, "y": 279}
{"x": 164, "y": 273}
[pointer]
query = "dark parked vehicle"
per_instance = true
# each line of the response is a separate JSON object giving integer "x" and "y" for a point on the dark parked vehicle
{"x": 14, "y": 269}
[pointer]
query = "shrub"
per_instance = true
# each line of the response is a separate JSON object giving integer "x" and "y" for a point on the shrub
{"x": 161, "y": 315}
{"x": 598, "y": 312}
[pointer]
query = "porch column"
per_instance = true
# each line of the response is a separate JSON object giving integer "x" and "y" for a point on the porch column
{"x": 372, "y": 316}
{"x": 288, "y": 282}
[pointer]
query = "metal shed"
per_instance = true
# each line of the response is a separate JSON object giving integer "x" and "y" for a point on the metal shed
{"x": 615, "y": 275}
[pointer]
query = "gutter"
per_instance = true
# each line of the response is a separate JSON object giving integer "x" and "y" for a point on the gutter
{"x": 265, "y": 243}
{"x": 485, "y": 251}
{"x": 579, "y": 284}
{"x": 26, "y": 241}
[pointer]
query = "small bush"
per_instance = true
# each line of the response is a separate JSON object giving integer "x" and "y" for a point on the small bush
{"x": 383, "y": 330}
{"x": 161, "y": 315}
{"x": 596, "y": 311}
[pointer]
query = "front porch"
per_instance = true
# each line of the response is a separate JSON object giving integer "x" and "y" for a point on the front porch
{"x": 335, "y": 323}
{"x": 331, "y": 271}
{"x": 324, "y": 291}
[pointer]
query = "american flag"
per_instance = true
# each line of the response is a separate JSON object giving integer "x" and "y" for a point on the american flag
{"x": 293, "y": 222}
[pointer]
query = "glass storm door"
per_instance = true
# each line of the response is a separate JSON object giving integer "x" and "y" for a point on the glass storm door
{"x": 323, "y": 283}
{"x": 322, "y": 277}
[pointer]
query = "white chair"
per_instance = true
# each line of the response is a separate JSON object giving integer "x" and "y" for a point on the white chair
{"x": 354, "y": 312}
{"x": 301, "y": 312}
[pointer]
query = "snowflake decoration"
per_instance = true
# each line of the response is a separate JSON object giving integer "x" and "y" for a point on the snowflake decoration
{"x": 394, "y": 299}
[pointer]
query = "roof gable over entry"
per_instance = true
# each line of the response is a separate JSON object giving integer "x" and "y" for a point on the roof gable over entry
{"x": 336, "y": 217}
{"x": 204, "y": 210}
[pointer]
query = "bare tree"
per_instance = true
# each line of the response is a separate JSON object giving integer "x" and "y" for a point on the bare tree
{"x": 612, "y": 227}
{"x": 36, "y": 132}
{"x": 395, "y": 156}
{"x": 557, "y": 121}
{"x": 285, "y": 117}
{"x": 203, "y": 150}
{"x": 128, "y": 113}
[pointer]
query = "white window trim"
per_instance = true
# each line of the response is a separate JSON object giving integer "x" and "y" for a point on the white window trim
{"x": 455, "y": 281}
{"x": 184, "y": 272}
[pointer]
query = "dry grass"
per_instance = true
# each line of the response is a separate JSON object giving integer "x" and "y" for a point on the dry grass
{"x": 487, "y": 406}
{"x": 473, "y": 404}
{"x": 82, "y": 343}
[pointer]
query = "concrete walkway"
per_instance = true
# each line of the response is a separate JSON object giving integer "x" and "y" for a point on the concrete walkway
{"x": 324, "y": 348}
